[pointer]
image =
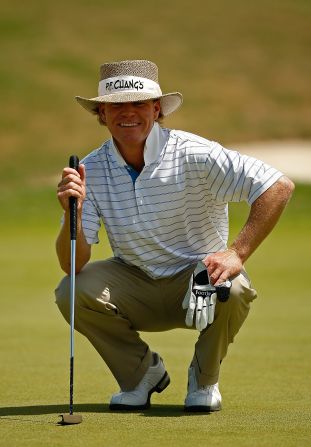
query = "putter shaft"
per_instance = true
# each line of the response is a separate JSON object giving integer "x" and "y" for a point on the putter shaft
{"x": 72, "y": 319}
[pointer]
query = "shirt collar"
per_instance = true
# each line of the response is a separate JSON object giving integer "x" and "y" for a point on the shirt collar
{"x": 153, "y": 146}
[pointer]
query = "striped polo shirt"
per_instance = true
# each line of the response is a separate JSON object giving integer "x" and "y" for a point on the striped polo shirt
{"x": 175, "y": 212}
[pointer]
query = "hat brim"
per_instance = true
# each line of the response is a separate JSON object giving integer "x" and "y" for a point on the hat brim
{"x": 169, "y": 102}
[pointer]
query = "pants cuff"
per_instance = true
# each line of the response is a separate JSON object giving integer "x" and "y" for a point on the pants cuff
{"x": 134, "y": 378}
{"x": 205, "y": 379}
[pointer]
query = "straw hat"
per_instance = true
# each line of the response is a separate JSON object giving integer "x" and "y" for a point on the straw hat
{"x": 130, "y": 81}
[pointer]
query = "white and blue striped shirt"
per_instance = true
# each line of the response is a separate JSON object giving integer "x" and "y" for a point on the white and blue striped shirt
{"x": 176, "y": 212}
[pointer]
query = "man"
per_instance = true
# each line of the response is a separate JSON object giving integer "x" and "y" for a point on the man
{"x": 162, "y": 195}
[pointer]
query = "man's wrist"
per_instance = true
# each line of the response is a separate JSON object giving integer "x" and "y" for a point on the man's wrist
{"x": 237, "y": 252}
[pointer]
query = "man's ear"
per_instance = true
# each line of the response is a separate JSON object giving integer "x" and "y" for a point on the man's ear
{"x": 101, "y": 112}
{"x": 157, "y": 109}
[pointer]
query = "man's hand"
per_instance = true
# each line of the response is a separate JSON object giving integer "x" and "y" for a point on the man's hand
{"x": 222, "y": 266}
{"x": 72, "y": 184}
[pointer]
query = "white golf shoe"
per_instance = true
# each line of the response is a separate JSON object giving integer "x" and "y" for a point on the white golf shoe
{"x": 155, "y": 379}
{"x": 201, "y": 399}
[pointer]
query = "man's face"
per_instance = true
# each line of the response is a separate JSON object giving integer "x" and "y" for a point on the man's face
{"x": 130, "y": 122}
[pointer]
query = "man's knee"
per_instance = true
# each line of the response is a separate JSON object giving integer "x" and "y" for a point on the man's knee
{"x": 86, "y": 294}
{"x": 236, "y": 308}
{"x": 238, "y": 305}
{"x": 62, "y": 295}
{"x": 241, "y": 291}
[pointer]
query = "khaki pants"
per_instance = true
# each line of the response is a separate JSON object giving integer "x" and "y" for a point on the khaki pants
{"x": 145, "y": 304}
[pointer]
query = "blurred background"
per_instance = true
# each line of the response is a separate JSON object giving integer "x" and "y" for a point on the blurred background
{"x": 244, "y": 69}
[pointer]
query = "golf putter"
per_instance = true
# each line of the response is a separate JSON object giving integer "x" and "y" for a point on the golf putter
{"x": 70, "y": 418}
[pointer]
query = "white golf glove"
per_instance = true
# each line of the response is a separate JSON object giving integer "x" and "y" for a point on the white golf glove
{"x": 200, "y": 299}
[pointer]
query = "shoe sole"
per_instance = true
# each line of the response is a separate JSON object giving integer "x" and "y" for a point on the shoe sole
{"x": 201, "y": 409}
{"x": 160, "y": 386}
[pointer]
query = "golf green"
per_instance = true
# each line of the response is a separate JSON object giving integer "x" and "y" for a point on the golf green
{"x": 264, "y": 380}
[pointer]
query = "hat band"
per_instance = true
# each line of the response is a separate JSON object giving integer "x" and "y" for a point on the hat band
{"x": 128, "y": 84}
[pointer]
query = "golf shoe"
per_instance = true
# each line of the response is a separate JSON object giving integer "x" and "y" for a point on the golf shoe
{"x": 155, "y": 379}
{"x": 206, "y": 398}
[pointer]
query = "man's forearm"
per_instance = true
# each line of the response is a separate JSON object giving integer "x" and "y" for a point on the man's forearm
{"x": 83, "y": 249}
{"x": 264, "y": 214}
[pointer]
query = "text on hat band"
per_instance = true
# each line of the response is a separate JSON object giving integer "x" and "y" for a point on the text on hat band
{"x": 128, "y": 84}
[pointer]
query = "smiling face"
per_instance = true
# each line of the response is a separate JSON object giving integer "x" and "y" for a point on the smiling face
{"x": 130, "y": 122}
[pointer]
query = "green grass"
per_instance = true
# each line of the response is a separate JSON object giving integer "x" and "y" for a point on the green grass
{"x": 264, "y": 380}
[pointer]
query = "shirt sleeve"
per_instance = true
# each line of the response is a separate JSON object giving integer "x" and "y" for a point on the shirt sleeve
{"x": 233, "y": 177}
{"x": 90, "y": 219}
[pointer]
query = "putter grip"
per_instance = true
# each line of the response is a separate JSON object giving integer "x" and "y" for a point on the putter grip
{"x": 73, "y": 163}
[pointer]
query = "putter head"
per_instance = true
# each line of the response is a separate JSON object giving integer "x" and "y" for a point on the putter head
{"x": 70, "y": 419}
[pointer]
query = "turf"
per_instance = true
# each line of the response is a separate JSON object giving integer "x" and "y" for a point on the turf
{"x": 264, "y": 381}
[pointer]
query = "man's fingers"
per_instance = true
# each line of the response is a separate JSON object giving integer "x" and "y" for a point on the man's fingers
{"x": 70, "y": 171}
{"x": 223, "y": 277}
{"x": 65, "y": 194}
{"x": 72, "y": 184}
{"x": 82, "y": 172}
{"x": 70, "y": 190}
{"x": 222, "y": 266}
{"x": 71, "y": 178}
{"x": 219, "y": 275}
{"x": 69, "y": 185}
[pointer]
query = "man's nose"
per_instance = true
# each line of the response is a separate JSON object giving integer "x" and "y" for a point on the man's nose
{"x": 127, "y": 108}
